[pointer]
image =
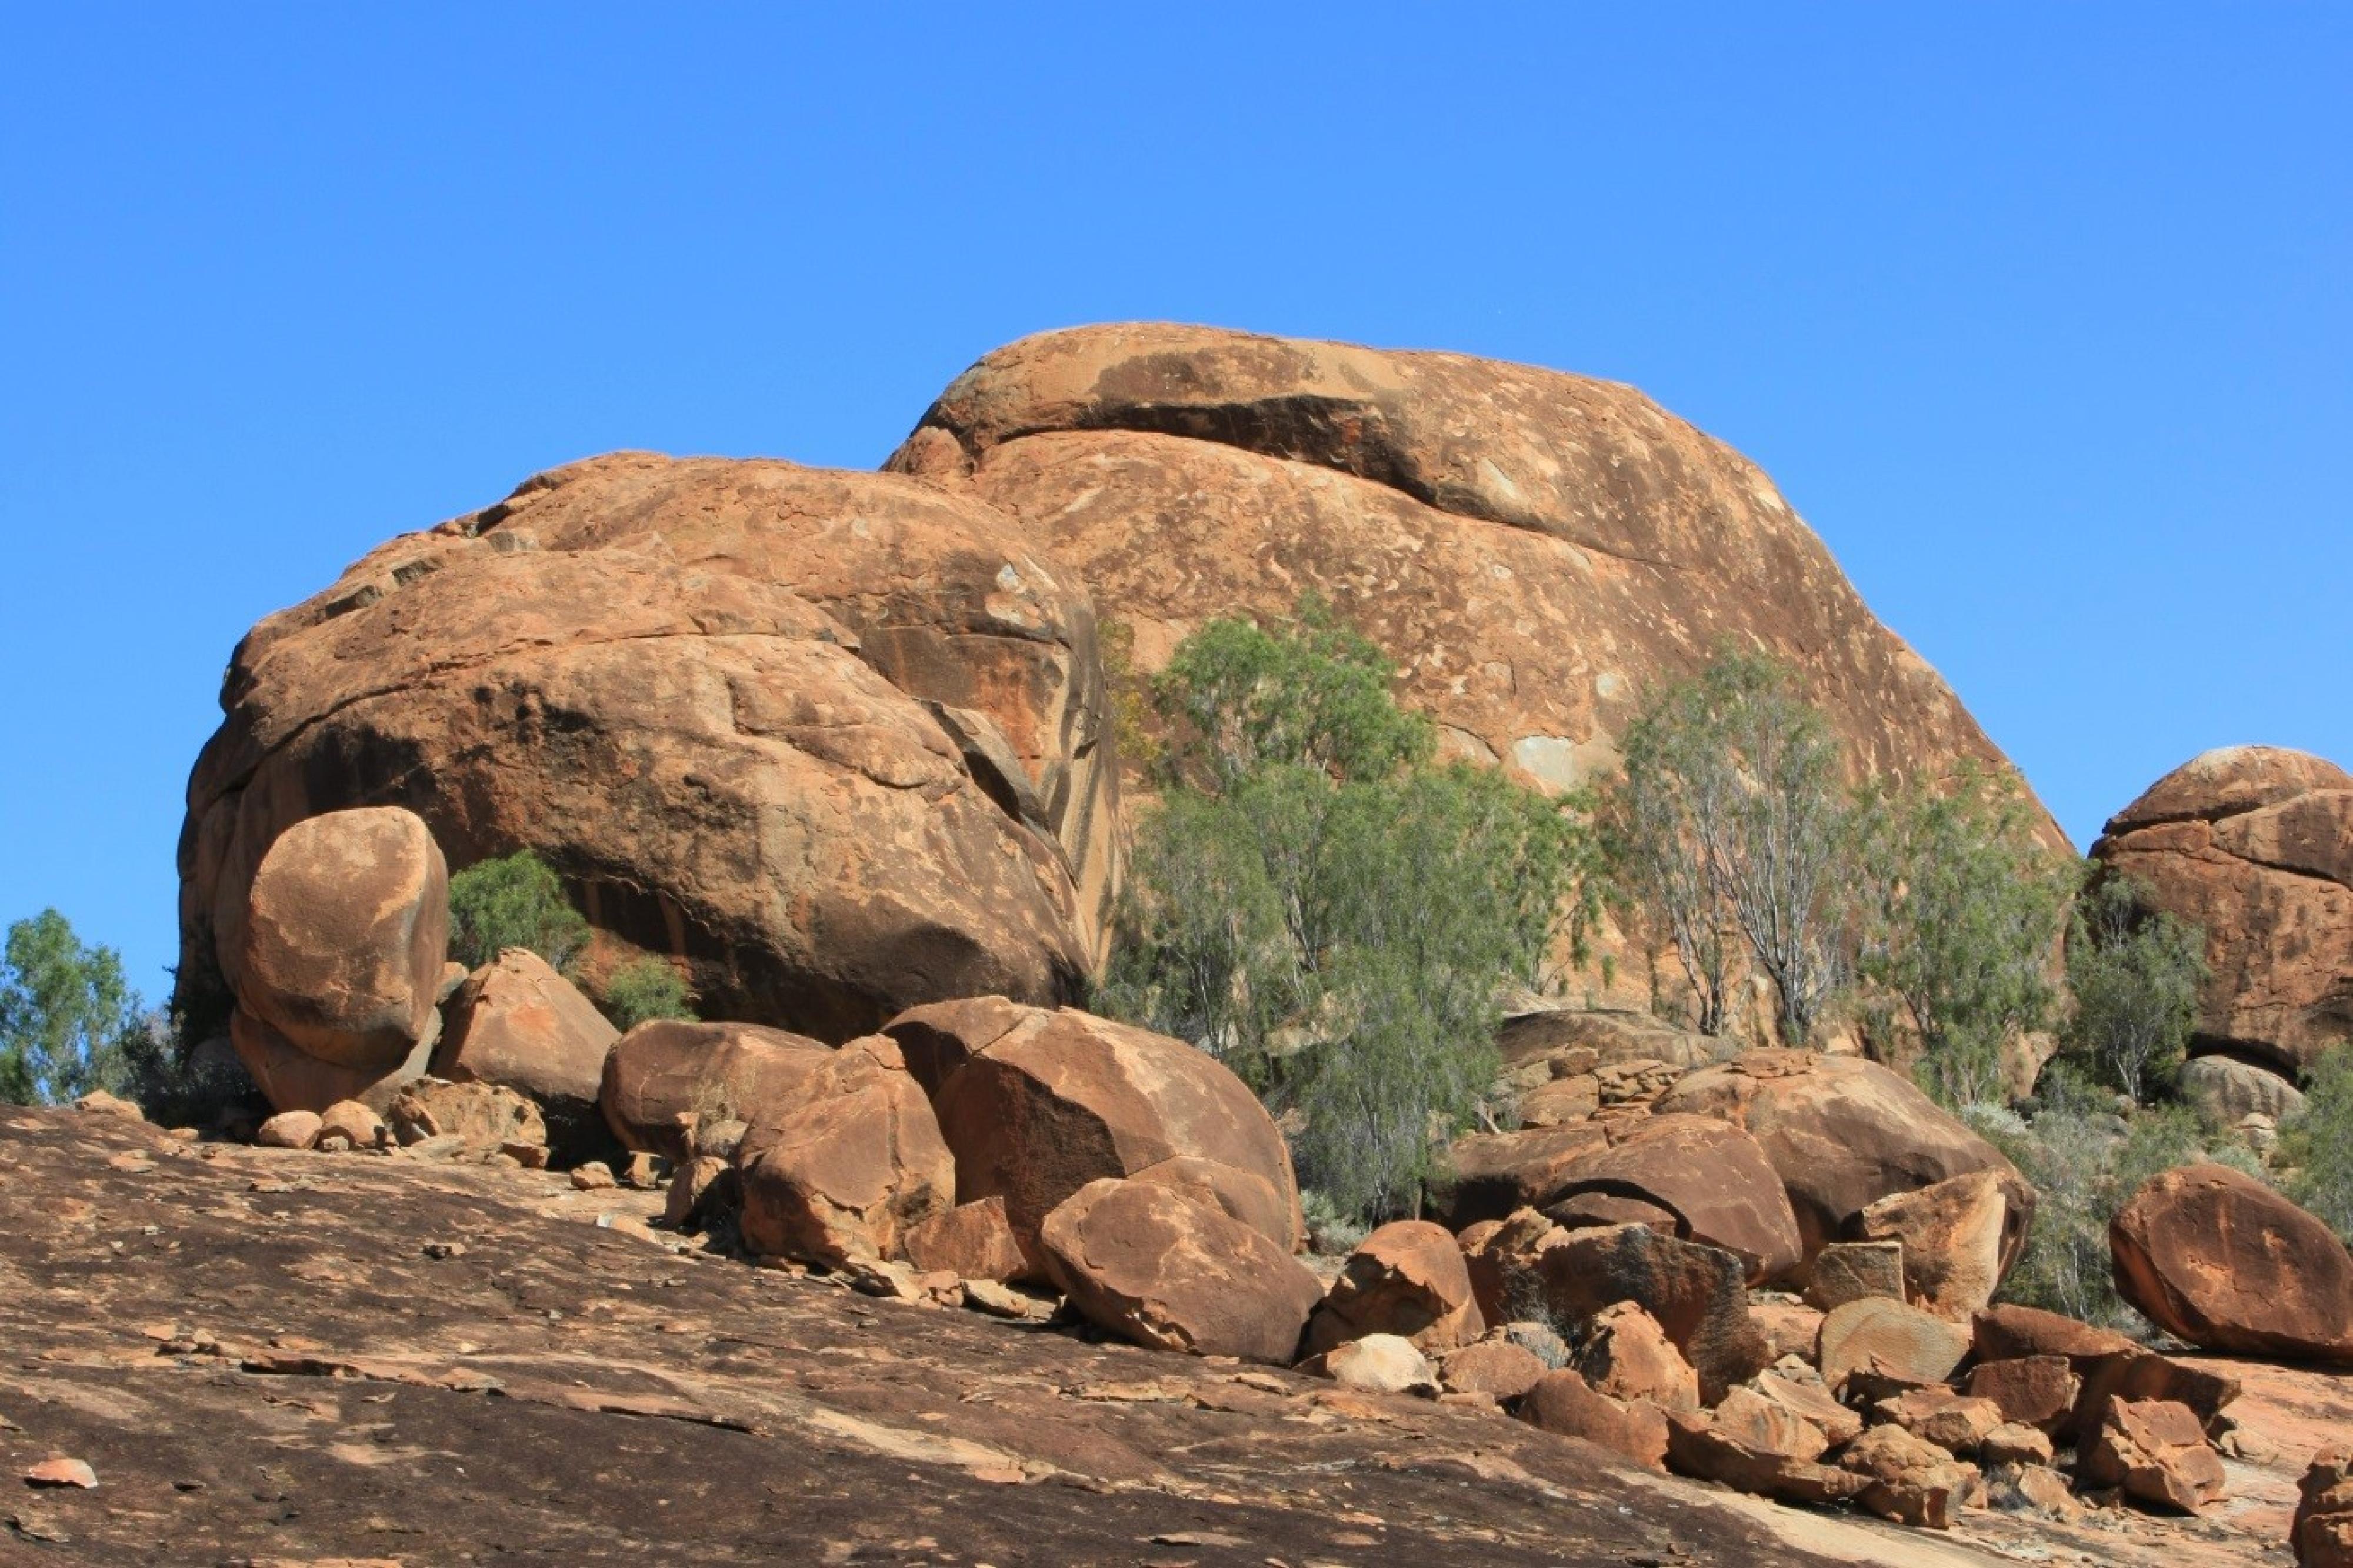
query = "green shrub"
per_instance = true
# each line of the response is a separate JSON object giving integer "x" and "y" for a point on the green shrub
{"x": 1729, "y": 830}
{"x": 643, "y": 989}
{"x": 2318, "y": 1143}
{"x": 2087, "y": 1165}
{"x": 516, "y": 900}
{"x": 1965, "y": 910}
{"x": 2135, "y": 974}
{"x": 69, "y": 1021}
{"x": 1316, "y": 904}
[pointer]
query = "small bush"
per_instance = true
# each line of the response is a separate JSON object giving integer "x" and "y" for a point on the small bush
{"x": 644, "y": 989}
{"x": 516, "y": 900}
{"x": 2318, "y": 1143}
{"x": 2135, "y": 974}
{"x": 2086, "y": 1165}
{"x": 1330, "y": 1232}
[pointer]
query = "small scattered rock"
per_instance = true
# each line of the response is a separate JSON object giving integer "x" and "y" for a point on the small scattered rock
{"x": 1375, "y": 1363}
{"x": 595, "y": 1176}
{"x": 60, "y": 1471}
{"x": 2322, "y": 1532}
{"x": 1626, "y": 1355}
{"x": 98, "y": 1103}
{"x": 2156, "y": 1450}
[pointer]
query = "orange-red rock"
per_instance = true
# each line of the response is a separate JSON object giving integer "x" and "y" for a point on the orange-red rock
{"x": 2156, "y": 1450}
{"x": 1493, "y": 1366}
{"x": 1874, "y": 1334}
{"x": 2254, "y": 845}
{"x": 666, "y": 1078}
{"x": 1162, "y": 1268}
{"x": 1491, "y": 1174}
{"x": 1625, "y": 1355}
{"x": 835, "y": 742}
{"x": 1710, "y": 1179}
{"x": 2216, "y": 1258}
{"x": 1060, "y": 1097}
{"x": 2322, "y": 1532}
{"x": 972, "y": 1241}
{"x": 1535, "y": 548}
{"x": 2037, "y": 1391}
{"x": 1955, "y": 1235}
{"x": 841, "y": 1167}
{"x": 1565, "y": 1402}
{"x": 343, "y": 936}
{"x": 1405, "y": 1279}
{"x": 1844, "y": 1133}
{"x": 518, "y": 1024}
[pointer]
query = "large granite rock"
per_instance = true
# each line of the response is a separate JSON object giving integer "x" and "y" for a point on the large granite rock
{"x": 345, "y": 929}
{"x": 2253, "y": 844}
{"x": 1534, "y": 548}
{"x": 1844, "y": 1133}
{"x": 1036, "y": 1102}
{"x": 1713, "y": 1179}
{"x": 835, "y": 741}
{"x": 2217, "y": 1258}
{"x": 1405, "y": 1279}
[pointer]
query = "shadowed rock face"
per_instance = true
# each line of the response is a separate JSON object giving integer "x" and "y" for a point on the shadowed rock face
{"x": 835, "y": 740}
{"x": 2254, "y": 844}
{"x": 1533, "y": 548}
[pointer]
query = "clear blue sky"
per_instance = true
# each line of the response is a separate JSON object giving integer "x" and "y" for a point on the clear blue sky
{"x": 2041, "y": 315}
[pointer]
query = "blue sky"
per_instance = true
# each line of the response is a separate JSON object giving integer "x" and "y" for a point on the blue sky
{"x": 2041, "y": 315}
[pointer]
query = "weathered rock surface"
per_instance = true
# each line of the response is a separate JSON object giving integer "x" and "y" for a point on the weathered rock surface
{"x": 1565, "y": 1402}
{"x": 778, "y": 1417}
{"x": 2216, "y": 1258}
{"x": 1844, "y": 1133}
{"x": 971, "y": 1241}
{"x": 1378, "y": 1363}
{"x": 2253, "y": 845}
{"x": 2226, "y": 1090}
{"x": 518, "y": 1024}
{"x": 1533, "y": 548}
{"x": 836, "y": 741}
{"x": 1156, "y": 1267}
{"x": 1954, "y": 1234}
{"x": 342, "y": 939}
{"x": 291, "y": 1078}
{"x": 665, "y": 1079}
{"x": 1494, "y": 1175}
{"x": 1625, "y": 1355}
{"x": 1494, "y": 1367}
{"x": 485, "y": 1118}
{"x": 1712, "y": 1181}
{"x": 1846, "y": 1271}
{"x": 842, "y": 1167}
{"x": 2156, "y": 1450}
{"x": 1694, "y": 1292}
{"x": 2322, "y": 1532}
{"x": 1046, "y": 1100}
{"x": 1407, "y": 1280}
{"x": 2037, "y": 1391}
{"x": 1956, "y": 1423}
{"x": 1874, "y": 1334}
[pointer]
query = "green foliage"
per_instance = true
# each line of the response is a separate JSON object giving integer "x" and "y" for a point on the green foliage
{"x": 516, "y": 900}
{"x": 2318, "y": 1143}
{"x": 1315, "y": 694}
{"x": 1332, "y": 916}
{"x": 646, "y": 988}
{"x": 1729, "y": 828}
{"x": 2135, "y": 974}
{"x": 2086, "y": 1165}
{"x": 1131, "y": 697}
{"x": 70, "y": 1022}
{"x": 1965, "y": 910}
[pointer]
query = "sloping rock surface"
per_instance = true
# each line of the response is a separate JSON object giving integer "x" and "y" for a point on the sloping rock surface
{"x": 2253, "y": 844}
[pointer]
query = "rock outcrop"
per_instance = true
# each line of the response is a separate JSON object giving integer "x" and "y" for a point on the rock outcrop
{"x": 1407, "y": 1280}
{"x": 1535, "y": 548}
{"x": 2254, "y": 844}
{"x": 837, "y": 741}
{"x": 2217, "y": 1258}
